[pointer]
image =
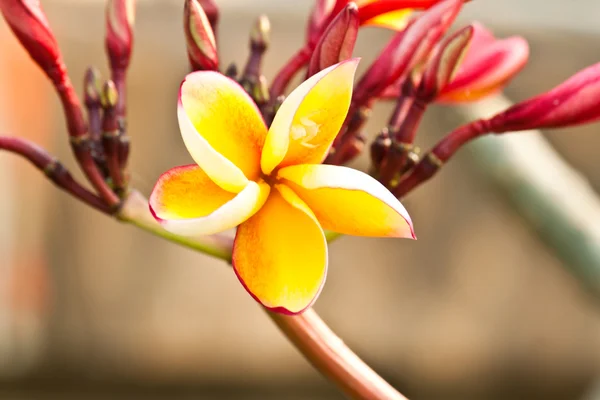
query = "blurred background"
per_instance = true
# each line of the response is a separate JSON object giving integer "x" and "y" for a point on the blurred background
{"x": 477, "y": 308}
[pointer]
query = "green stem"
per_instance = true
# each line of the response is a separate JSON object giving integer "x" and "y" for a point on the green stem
{"x": 136, "y": 212}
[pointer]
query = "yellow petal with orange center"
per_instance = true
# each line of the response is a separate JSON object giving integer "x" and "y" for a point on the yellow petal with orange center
{"x": 348, "y": 201}
{"x": 187, "y": 202}
{"x": 395, "y": 20}
{"x": 280, "y": 254}
{"x": 310, "y": 118}
{"x": 222, "y": 128}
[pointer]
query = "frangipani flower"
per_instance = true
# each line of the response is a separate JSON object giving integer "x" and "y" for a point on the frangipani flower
{"x": 390, "y": 14}
{"x": 489, "y": 65}
{"x": 270, "y": 183}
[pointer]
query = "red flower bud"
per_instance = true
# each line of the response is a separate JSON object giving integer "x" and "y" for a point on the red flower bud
{"x": 489, "y": 64}
{"x": 440, "y": 71}
{"x": 319, "y": 18}
{"x": 407, "y": 49}
{"x": 29, "y": 24}
{"x": 201, "y": 44}
{"x": 337, "y": 43}
{"x": 120, "y": 16}
{"x": 212, "y": 13}
{"x": 575, "y": 101}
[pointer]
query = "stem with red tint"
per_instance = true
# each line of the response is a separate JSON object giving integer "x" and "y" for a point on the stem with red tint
{"x": 54, "y": 170}
{"x": 440, "y": 154}
{"x": 330, "y": 356}
{"x": 79, "y": 136}
{"x": 290, "y": 69}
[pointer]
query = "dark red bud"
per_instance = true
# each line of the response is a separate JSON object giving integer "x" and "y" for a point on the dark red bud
{"x": 337, "y": 43}
{"x": 120, "y": 16}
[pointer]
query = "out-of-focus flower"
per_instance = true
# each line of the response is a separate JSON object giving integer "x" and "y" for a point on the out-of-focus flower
{"x": 573, "y": 102}
{"x": 120, "y": 16}
{"x": 270, "y": 183}
{"x": 29, "y": 24}
{"x": 200, "y": 39}
{"x": 407, "y": 49}
{"x": 337, "y": 43}
{"x": 392, "y": 14}
{"x": 442, "y": 68}
{"x": 488, "y": 66}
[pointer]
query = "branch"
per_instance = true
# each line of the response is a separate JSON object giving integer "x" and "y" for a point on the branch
{"x": 328, "y": 354}
{"x": 53, "y": 169}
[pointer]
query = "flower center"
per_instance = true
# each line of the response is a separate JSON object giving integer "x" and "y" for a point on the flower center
{"x": 304, "y": 131}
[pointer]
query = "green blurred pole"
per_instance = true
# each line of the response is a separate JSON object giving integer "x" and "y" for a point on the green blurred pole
{"x": 554, "y": 199}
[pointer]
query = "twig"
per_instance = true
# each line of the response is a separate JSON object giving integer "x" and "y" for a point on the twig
{"x": 291, "y": 68}
{"x": 328, "y": 353}
{"x": 79, "y": 136}
{"x": 54, "y": 170}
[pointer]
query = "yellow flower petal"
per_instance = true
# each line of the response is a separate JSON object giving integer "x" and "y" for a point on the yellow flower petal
{"x": 187, "y": 202}
{"x": 310, "y": 118}
{"x": 395, "y": 20}
{"x": 348, "y": 201}
{"x": 222, "y": 128}
{"x": 280, "y": 254}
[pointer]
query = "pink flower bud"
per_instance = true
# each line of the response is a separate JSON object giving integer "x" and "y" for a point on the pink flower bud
{"x": 120, "y": 16}
{"x": 212, "y": 13}
{"x": 201, "y": 43}
{"x": 575, "y": 101}
{"x": 29, "y": 24}
{"x": 407, "y": 49}
{"x": 392, "y": 14}
{"x": 337, "y": 43}
{"x": 319, "y": 19}
{"x": 488, "y": 66}
{"x": 442, "y": 68}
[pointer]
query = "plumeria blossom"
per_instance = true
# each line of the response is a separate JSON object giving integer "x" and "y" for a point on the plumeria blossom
{"x": 270, "y": 183}
{"x": 488, "y": 65}
{"x": 391, "y": 14}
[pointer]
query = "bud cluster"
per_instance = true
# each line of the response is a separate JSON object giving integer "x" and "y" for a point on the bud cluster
{"x": 421, "y": 64}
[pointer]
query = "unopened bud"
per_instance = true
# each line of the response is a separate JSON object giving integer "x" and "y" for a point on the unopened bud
{"x": 337, "y": 43}
{"x": 408, "y": 49}
{"x": 92, "y": 87}
{"x": 489, "y": 64}
{"x": 212, "y": 13}
{"x": 110, "y": 96}
{"x": 319, "y": 18}
{"x": 200, "y": 39}
{"x": 120, "y": 16}
{"x": 30, "y": 26}
{"x": 259, "y": 35}
{"x": 442, "y": 68}
{"x": 574, "y": 102}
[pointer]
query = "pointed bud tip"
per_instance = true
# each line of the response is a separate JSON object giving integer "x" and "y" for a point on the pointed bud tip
{"x": 92, "y": 86}
{"x": 110, "y": 96}
{"x": 30, "y": 25}
{"x": 260, "y": 33}
{"x": 120, "y": 17}
{"x": 200, "y": 39}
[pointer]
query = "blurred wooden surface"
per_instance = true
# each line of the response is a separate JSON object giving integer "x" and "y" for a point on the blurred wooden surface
{"x": 477, "y": 307}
